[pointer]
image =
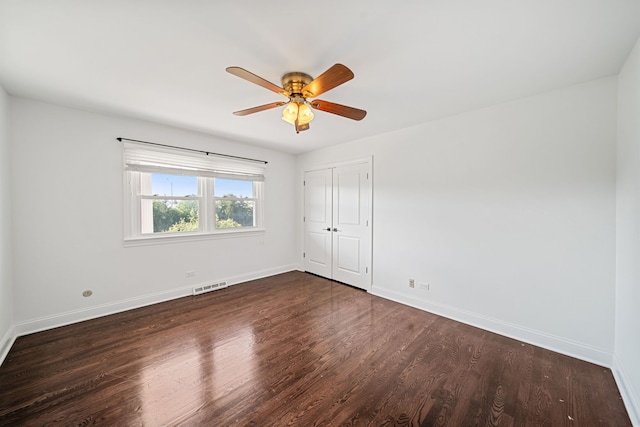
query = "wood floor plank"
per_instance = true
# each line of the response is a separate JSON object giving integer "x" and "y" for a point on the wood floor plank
{"x": 295, "y": 349}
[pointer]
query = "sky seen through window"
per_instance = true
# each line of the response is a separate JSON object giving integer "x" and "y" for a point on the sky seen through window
{"x": 183, "y": 185}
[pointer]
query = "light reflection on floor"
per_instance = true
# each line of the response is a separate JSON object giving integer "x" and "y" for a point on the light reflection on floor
{"x": 197, "y": 376}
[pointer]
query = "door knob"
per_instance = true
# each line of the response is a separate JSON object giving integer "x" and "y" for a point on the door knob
{"x": 335, "y": 229}
{"x": 328, "y": 229}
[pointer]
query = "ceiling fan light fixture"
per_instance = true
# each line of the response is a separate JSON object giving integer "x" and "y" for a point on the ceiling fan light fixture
{"x": 305, "y": 115}
{"x": 297, "y": 110}
{"x": 290, "y": 113}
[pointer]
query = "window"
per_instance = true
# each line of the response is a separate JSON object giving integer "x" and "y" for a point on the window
{"x": 235, "y": 203}
{"x": 170, "y": 193}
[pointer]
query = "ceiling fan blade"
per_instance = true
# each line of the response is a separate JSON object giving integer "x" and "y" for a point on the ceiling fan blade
{"x": 341, "y": 110}
{"x": 258, "y": 109}
{"x": 249, "y": 76}
{"x": 326, "y": 81}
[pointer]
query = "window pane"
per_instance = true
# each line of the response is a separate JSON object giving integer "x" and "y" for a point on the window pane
{"x": 233, "y": 188}
{"x": 234, "y": 213}
{"x": 171, "y": 216}
{"x": 163, "y": 184}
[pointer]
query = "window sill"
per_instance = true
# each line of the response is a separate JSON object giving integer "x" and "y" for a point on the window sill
{"x": 162, "y": 239}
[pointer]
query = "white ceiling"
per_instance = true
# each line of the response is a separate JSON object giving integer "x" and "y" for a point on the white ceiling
{"x": 414, "y": 61}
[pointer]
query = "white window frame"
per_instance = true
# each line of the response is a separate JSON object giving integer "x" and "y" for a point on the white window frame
{"x": 140, "y": 162}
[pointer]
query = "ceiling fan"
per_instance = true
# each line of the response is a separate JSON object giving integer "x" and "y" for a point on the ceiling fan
{"x": 298, "y": 86}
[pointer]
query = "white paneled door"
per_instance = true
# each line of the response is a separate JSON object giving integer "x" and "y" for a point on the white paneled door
{"x": 318, "y": 186}
{"x": 337, "y": 224}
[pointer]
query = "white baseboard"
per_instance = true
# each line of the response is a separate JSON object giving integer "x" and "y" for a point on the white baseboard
{"x": 261, "y": 274}
{"x": 629, "y": 395}
{"x": 7, "y": 342}
{"x": 75, "y": 316}
{"x": 541, "y": 339}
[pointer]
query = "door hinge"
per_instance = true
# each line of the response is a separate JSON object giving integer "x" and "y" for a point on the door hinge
{"x": 304, "y": 254}
{"x": 304, "y": 183}
{"x": 367, "y": 223}
{"x": 304, "y": 219}
{"x": 367, "y": 175}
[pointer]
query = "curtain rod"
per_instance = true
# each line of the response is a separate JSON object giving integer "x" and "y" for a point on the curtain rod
{"x": 207, "y": 153}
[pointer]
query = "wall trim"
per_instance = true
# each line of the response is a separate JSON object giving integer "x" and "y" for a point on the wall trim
{"x": 7, "y": 342}
{"x": 629, "y": 395}
{"x": 75, "y": 316}
{"x": 558, "y": 344}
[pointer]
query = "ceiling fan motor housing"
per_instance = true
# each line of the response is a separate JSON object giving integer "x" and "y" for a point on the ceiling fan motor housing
{"x": 295, "y": 81}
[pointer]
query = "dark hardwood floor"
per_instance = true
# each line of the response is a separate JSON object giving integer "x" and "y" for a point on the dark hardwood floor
{"x": 295, "y": 349}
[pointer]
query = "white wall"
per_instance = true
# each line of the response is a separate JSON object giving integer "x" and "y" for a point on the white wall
{"x": 627, "y": 336}
{"x": 68, "y": 219}
{"x": 6, "y": 275}
{"x": 507, "y": 212}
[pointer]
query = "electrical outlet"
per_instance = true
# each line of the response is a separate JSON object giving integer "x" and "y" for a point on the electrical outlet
{"x": 189, "y": 273}
{"x": 412, "y": 283}
{"x": 423, "y": 286}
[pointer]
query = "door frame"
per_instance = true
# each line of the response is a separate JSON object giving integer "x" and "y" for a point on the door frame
{"x": 333, "y": 164}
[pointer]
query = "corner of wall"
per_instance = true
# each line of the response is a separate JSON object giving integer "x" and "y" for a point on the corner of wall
{"x": 627, "y": 347}
{"x": 7, "y": 331}
{"x": 628, "y": 393}
{"x": 7, "y": 342}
